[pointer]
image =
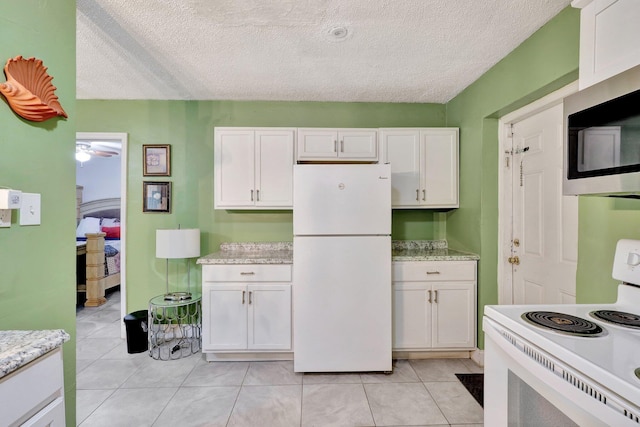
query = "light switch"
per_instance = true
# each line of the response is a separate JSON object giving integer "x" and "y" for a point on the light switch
{"x": 5, "y": 218}
{"x": 30, "y": 209}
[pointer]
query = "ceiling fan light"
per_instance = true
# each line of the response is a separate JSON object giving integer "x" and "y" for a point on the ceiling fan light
{"x": 82, "y": 156}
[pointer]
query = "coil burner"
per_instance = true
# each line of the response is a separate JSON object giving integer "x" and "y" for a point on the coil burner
{"x": 619, "y": 318}
{"x": 563, "y": 323}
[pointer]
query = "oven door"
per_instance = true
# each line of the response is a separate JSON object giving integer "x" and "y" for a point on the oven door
{"x": 524, "y": 386}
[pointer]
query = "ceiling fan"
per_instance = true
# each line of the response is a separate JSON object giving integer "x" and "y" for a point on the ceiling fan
{"x": 86, "y": 150}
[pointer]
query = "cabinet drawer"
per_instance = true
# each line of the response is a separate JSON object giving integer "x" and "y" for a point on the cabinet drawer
{"x": 247, "y": 273}
{"x": 31, "y": 387}
{"x": 433, "y": 271}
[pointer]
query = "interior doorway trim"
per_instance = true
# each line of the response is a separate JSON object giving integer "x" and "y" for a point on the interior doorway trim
{"x": 123, "y": 139}
{"x": 505, "y": 212}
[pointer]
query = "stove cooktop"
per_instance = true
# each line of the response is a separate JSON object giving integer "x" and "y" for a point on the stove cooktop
{"x": 563, "y": 323}
{"x": 620, "y": 318}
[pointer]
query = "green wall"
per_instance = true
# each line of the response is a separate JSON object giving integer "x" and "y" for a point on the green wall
{"x": 188, "y": 127}
{"x": 37, "y": 289}
{"x": 543, "y": 63}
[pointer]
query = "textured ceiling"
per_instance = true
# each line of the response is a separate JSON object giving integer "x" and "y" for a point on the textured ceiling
{"x": 393, "y": 51}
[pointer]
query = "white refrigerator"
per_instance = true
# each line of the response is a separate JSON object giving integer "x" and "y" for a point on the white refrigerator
{"x": 342, "y": 267}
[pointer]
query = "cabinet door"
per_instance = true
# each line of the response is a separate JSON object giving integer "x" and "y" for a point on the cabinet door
{"x": 401, "y": 148}
{"x": 269, "y": 317}
{"x": 224, "y": 315}
{"x": 440, "y": 169}
{"x": 274, "y": 168}
{"x": 358, "y": 144}
{"x": 609, "y": 36}
{"x": 234, "y": 164}
{"x": 454, "y": 315}
{"x": 411, "y": 316}
{"x": 317, "y": 144}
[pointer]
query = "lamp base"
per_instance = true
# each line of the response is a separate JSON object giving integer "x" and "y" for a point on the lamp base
{"x": 177, "y": 296}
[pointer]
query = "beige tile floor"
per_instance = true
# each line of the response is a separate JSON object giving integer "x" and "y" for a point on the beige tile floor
{"x": 115, "y": 388}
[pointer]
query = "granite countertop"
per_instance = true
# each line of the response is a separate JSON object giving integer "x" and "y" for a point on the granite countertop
{"x": 427, "y": 250}
{"x": 17, "y": 348}
{"x": 282, "y": 252}
{"x": 251, "y": 253}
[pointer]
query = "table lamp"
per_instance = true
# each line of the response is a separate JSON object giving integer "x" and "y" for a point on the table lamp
{"x": 178, "y": 244}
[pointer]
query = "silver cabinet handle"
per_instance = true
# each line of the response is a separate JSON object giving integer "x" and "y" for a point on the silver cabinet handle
{"x": 435, "y": 297}
{"x": 257, "y": 195}
{"x": 342, "y": 146}
{"x": 247, "y": 273}
{"x": 433, "y": 272}
{"x": 424, "y": 194}
{"x": 250, "y": 292}
{"x": 335, "y": 145}
{"x": 417, "y": 195}
{"x": 429, "y": 300}
{"x": 252, "y": 195}
{"x": 243, "y": 292}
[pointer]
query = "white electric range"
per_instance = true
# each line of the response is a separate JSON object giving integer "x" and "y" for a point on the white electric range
{"x": 564, "y": 365}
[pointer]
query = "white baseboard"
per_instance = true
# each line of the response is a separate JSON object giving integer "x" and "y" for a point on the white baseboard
{"x": 477, "y": 356}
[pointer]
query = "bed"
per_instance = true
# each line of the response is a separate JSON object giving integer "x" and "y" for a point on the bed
{"x": 97, "y": 250}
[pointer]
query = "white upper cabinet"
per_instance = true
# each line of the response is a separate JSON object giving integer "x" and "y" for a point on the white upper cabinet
{"x": 337, "y": 144}
{"x": 424, "y": 166}
{"x": 609, "y": 35}
{"x": 253, "y": 168}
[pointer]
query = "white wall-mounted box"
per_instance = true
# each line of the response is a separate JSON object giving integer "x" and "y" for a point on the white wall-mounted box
{"x": 10, "y": 199}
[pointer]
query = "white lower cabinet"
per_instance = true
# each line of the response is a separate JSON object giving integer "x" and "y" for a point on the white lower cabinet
{"x": 34, "y": 394}
{"x": 434, "y": 305}
{"x": 249, "y": 310}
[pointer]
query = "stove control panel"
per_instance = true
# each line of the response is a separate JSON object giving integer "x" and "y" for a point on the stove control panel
{"x": 626, "y": 264}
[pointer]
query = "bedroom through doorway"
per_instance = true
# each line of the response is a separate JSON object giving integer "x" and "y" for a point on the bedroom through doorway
{"x": 100, "y": 217}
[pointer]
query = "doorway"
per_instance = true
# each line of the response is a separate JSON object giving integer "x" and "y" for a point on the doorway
{"x": 101, "y": 145}
{"x": 538, "y": 226}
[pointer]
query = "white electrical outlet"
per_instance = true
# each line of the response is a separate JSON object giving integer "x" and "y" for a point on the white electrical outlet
{"x": 5, "y": 218}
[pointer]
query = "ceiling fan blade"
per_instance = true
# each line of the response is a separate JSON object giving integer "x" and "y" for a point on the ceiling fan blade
{"x": 104, "y": 153}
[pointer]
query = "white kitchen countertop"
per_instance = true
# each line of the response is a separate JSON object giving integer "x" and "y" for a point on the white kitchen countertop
{"x": 282, "y": 252}
{"x": 17, "y": 348}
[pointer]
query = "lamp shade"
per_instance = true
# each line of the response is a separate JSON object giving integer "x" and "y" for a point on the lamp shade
{"x": 180, "y": 243}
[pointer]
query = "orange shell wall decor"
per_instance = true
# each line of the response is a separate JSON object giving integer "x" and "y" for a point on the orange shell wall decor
{"x": 29, "y": 91}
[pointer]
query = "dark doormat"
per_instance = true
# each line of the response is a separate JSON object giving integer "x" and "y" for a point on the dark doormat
{"x": 474, "y": 383}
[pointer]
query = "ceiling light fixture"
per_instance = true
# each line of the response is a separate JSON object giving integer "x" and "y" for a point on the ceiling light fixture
{"x": 82, "y": 156}
{"x": 338, "y": 33}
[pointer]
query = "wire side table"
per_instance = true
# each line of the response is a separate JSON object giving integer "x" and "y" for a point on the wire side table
{"x": 175, "y": 327}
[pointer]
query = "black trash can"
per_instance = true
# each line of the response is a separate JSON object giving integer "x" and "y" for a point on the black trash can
{"x": 136, "y": 326}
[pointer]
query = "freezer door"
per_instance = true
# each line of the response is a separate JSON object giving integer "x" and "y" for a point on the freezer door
{"x": 342, "y": 303}
{"x": 342, "y": 199}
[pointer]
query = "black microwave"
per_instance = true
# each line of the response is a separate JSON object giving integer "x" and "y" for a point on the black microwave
{"x": 602, "y": 137}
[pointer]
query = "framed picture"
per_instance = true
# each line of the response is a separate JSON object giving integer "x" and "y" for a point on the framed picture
{"x": 157, "y": 160}
{"x": 156, "y": 196}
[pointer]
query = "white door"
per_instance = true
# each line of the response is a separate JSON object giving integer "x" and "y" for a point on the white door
{"x": 269, "y": 317}
{"x": 454, "y": 314}
{"x": 545, "y": 223}
{"x": 226, "y": 326}
{"x": 361, "y": 144}
{"x": 342, "y": 303}
{"x": 341, "y": 199}
{"x": 274, "y": 168}
{"x": 440, "y": 170}
{"x": 401, "y": 148}
{"x": 234, "y": 162}
{"x": 411, "y": 315}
